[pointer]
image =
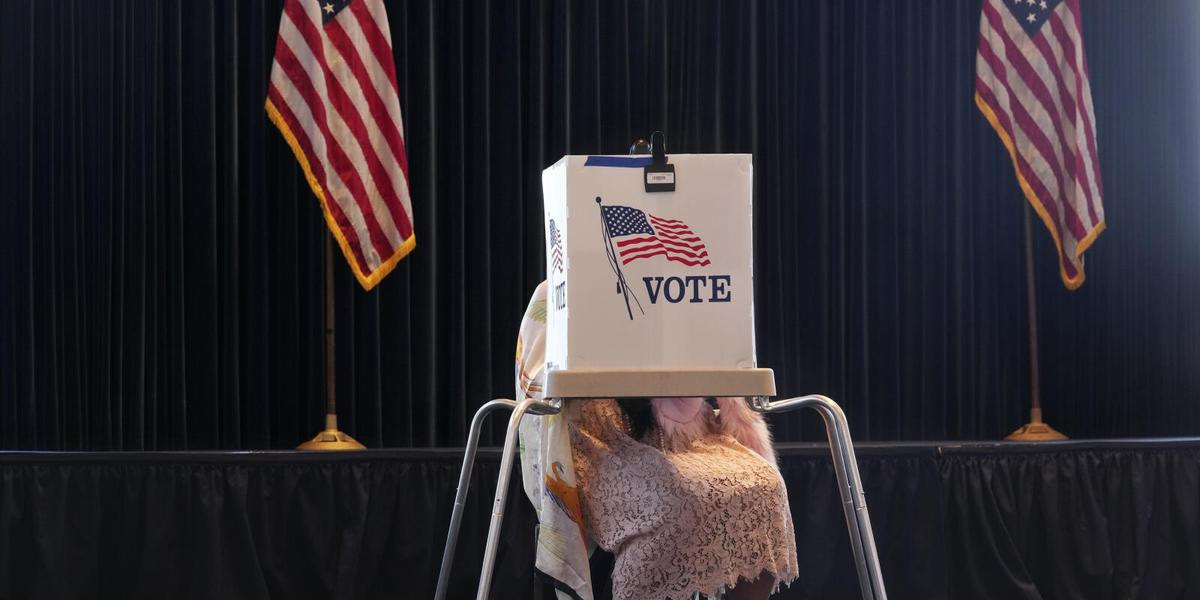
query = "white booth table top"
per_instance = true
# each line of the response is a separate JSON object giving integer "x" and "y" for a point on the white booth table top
{"x": 658, "y": 383}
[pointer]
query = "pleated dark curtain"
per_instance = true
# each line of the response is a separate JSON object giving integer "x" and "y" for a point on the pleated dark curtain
{"x": 1078, "y": 521}
{"x": 161, "y": 254}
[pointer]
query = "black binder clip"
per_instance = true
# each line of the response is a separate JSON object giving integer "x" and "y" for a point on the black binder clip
{"x": 659, "y": 175}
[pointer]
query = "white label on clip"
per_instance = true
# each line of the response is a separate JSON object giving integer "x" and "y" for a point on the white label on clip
{"x": 666, "y": 177}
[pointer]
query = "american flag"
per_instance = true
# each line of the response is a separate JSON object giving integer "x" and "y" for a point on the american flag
{"x": 647, "y": 235}
{"x": 1031, "y": 82}
{"x": 334, "y": 97}
{"x": 556, "y": 258}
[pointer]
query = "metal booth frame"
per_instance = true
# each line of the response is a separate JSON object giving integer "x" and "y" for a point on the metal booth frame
{"x": 757, "y": 385}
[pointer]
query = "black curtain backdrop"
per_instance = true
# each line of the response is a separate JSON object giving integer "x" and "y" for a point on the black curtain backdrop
{"x": 161, "y": 254}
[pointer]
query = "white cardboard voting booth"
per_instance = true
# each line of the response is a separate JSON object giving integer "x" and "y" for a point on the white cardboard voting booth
{"x": 642, "y": 280}
{"x": 651, "y": 294}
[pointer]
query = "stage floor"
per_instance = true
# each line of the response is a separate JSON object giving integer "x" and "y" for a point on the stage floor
{"x": 1088, "y": 519}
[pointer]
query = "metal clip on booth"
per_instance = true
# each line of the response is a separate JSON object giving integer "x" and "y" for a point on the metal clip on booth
{"x": 757, "y": 385}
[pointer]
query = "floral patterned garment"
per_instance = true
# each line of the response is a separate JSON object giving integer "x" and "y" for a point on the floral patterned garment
{"x": 692, "y": 518}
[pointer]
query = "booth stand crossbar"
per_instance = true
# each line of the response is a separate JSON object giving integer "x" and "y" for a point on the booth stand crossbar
{"x": 757, "y": 385}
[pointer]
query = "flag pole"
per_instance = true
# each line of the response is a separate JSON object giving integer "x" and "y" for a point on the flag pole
{"x": 330, "y": 438}
{"x": 614, "y": 261}
{"x": 1035, "y": 430}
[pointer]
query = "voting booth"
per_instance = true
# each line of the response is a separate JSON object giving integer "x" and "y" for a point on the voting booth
{"x": 651, "y": 285}
{"x": 650, "y": 293}
{"x": 657, "y": 279}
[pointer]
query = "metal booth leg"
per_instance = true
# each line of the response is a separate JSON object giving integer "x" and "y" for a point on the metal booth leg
{"x": 460, "y": 497}
{"x": 538, "y": 407}
{"x": 845, "y": 466}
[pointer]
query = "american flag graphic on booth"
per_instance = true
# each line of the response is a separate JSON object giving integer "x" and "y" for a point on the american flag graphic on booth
{"x": 333, "y": 96}
{"x": 647, "y": 235}
{"x": 556, "y": 255}
{"x": 1031, "y": 83}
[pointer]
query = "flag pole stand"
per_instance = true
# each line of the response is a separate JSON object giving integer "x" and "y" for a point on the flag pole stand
{"x": 1035, "y": 430}
{"x": 330, "y": 438}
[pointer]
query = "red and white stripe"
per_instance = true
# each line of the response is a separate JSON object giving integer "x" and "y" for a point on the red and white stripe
{"x": 673, "y": 240}
{"x": 333, "y": 87}
{"x": 1039, "y": 99}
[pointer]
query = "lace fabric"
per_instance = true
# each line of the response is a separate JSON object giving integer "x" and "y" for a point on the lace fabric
{"x": 679, "y": 520}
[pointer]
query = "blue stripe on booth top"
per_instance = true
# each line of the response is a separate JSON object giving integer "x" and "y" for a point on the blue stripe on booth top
{"x": 630, "y": 162}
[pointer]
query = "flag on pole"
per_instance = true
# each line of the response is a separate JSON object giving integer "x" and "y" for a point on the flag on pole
{"x": 334, "y": 97}
{"x": 647, "y": 235}
{"x": 1031, "y": 82}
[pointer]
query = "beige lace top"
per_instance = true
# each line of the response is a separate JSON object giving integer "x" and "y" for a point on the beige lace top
{"x": 680, "y": 521}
